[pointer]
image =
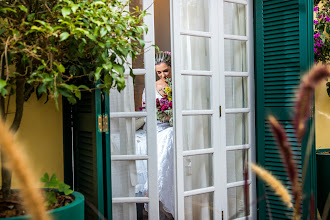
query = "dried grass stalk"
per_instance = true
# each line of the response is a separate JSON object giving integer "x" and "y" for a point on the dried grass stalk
{"x": 304, "y": 97}
{"x": 274, "y": 183}
{"x": 32, "y": 197}
{"x": 287, "y": 157}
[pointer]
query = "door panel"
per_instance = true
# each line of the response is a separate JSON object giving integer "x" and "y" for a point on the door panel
{"x": 275, "y": 93}
{"x": 134, "y": 135}
{"x": 214, "y": 112}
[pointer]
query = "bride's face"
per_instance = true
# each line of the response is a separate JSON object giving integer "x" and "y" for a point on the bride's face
{"x": 163, "y": 71}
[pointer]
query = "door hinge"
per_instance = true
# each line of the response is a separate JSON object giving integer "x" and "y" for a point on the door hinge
{"x": 222, "y": 215}
{"x": 103, "y": 123}
{"x": 220, "y": 111}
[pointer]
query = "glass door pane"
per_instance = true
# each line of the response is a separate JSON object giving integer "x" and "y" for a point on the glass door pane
{"x": 194, "y": 40}
{"x": 238, "y": 108}
{"x": 133, "y": 136}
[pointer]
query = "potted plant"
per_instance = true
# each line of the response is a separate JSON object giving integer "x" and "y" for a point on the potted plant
{"x": 61, "y": 201}
{"x": 61, "y": 48}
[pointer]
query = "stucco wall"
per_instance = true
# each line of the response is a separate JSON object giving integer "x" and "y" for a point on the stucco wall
{"x": 41, "y": 135}
{"x": 322, "y": 117}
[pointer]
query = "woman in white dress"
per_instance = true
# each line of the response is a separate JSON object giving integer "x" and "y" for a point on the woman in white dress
{"x": 164, "y": 146}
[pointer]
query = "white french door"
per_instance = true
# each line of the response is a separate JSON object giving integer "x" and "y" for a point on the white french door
{"x": 214, "y": 108}
{"x": 133, "y": 149}
{"x": 212, "y": 64}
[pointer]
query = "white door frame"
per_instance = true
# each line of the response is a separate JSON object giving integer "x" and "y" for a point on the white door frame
{"x": 218, "y": 74}
{"x": 150, "y": 78}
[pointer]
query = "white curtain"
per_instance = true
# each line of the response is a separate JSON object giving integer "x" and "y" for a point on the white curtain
{"x": 196, "y": 93}
{"x": 124, "y": 175}
{"x": 236, "y": 97}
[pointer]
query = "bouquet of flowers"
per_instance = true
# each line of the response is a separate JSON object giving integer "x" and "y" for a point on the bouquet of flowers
{"x": 164, "y": 105}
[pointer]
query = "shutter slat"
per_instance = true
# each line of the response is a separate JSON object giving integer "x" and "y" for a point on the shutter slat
{"x": 280, "y": 63}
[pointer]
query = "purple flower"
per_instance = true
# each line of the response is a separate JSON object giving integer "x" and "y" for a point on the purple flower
{"x": 315, "y": 50}
{"x": 316, "y": 8}
{"x": 327, "y": 19}
{"x": 316, "y": 22}
{"x": 317, "y": 35}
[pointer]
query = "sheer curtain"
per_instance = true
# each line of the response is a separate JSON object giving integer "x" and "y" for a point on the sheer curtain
{"x": 124, "y": 174}
{"x": 236, "y": 97}
{"x": 196, "y": 93}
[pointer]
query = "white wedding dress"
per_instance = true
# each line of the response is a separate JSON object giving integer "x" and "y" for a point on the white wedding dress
{"x": 165, "y": 163}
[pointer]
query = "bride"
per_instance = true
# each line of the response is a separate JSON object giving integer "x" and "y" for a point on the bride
{"x": 164, "y": 146}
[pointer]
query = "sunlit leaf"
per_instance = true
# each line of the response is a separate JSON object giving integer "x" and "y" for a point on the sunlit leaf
{"x": 23, "y": 8}
{"x": 64, "y": 36}
{"x": 74, "y": 7}
{"x": 118, "y": 68}
{"x": 66, "y": 12}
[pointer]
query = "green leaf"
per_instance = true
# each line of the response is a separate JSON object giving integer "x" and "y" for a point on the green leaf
{"x": 142, "y": 43}
{"x": 119, "y": 69}
{"x": 103, "y": 31}
{"x": 83, "y": 87}
{"x": 74, "y": 7}
{"x": 41, "y": 22}
{"x": 3, "y": 83}
{"x": 77, "y": 94}
{"x": 60, "y": 68}
{"x": 145, "y": 28}
{"x": 2, "y": 30}
{"x": 92, "y": 37}
{"x": 3, "y": 89}
{"x": 96, "y": 3}
{"x": 64, "y": 92}
{"x": 50, "y": 198}
{"x": 108, "y": 79}
{"x": 72, "y": 100}
{"x": 64, "y": 36}
{"x": 23, "y": 8}
{"x": 98, "y": 73}
{"x": 66, "y": 11}
{"x": 53, "y": 180}
{"x": 68, "y": 191}
{"x": 4, "y": 92}
{"x": 107, "y": 66}
{"x": 45, "y": 178}
{"x": 30, "y": 17}
{"x": 7, "y": 9}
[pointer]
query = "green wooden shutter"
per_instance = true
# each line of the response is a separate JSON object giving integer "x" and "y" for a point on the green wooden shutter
{"x": 91, "y": 153}
{"x": 283, "y": 51}
{"x": 88, "y": 166}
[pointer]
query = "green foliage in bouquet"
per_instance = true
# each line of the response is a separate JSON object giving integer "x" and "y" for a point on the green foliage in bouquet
{"x": 164, "y": 105}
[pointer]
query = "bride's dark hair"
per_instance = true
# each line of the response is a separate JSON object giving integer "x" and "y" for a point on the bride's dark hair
{"x": 163, "y": 57}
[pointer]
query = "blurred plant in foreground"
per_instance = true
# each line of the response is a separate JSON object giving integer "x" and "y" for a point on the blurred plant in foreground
{"x": 302, "y": 110}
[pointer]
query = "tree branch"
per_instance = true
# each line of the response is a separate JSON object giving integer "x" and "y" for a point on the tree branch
{"x": 20, "y": 84}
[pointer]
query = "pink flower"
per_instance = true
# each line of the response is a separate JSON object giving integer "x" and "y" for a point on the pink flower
{"x": 316, "y": 22}
{"x": 327, "y": 19}
{"x": 316, "y": 9}
{"x": 317, "y": 35}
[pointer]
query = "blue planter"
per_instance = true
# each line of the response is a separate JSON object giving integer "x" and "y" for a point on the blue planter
{"x": 73, "y": 211}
